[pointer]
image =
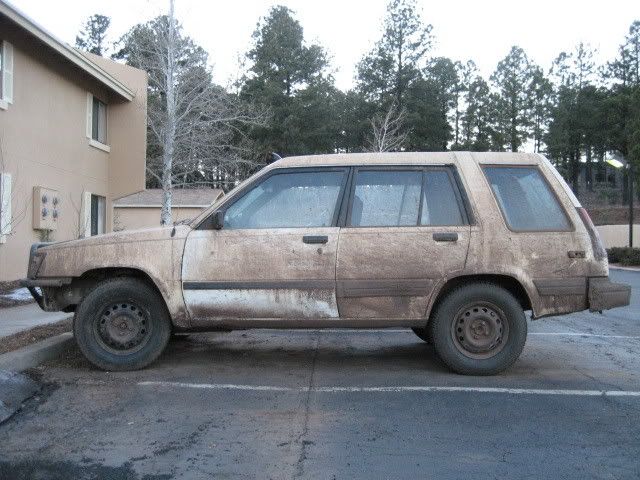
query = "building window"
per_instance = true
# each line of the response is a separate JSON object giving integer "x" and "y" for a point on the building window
{"x": 5, "y": 206}
{"x": 98, "y": 214}
{"x": 99, "y": 121}
{"x": 1, "y": 68}
{"x": 6, "y": 74}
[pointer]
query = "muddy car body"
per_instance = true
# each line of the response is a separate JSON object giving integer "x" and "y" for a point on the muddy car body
{"x": 454, "y": 245}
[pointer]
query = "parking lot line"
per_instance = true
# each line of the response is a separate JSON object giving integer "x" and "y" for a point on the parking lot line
{"x": 578, "y": 334}
{"x": 393, "y": 389}
{"x": 407, "y": 330}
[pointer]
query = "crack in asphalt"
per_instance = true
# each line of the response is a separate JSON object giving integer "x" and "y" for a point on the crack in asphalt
{"x": 307, "y": 411}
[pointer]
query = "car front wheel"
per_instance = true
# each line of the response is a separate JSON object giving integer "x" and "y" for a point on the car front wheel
{"x": 122, "y": 324}
{"x": 479, "y": 329}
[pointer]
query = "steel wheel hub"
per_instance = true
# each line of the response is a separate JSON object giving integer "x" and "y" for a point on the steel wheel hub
{"x": 480, "y": 330}
{"x": 123, "y": 327}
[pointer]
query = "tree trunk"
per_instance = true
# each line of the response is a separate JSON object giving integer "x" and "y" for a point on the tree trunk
{"x": 170, "y": 131}
{"x": 575, "y": 172}
{"x": 589, "y": 171}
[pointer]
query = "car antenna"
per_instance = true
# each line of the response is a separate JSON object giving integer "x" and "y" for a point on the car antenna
{"x": 275, "y": 157}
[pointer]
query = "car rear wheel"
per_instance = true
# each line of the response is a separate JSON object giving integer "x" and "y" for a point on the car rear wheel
{"x": 122, "y": 324}
{"x": 479, "y": 329}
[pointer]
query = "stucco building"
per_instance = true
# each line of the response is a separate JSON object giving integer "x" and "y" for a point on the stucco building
{"x": 72, "y": 139}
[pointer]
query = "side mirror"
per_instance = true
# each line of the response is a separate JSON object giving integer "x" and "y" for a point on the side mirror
{"x": 217, "y": 220}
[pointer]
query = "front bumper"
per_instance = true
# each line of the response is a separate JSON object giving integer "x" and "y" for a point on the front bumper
{"x": 603, "y": 294}
{"x": 31, "y": 284}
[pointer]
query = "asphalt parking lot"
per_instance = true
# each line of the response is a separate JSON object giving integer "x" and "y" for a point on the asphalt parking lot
{"x": 343, "y": 404}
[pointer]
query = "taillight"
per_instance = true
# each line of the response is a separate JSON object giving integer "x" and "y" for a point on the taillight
{"x": 599, "y": 251}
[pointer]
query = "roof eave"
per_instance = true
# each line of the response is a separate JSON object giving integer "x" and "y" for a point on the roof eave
{"x": 67, "y": 52}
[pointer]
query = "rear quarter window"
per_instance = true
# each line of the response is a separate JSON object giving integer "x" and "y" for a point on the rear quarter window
{"x": 527, "y": 202}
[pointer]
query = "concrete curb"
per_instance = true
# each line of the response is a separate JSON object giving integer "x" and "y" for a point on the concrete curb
{"x": 34, "y": 354}
{"x": 628, "y": 269}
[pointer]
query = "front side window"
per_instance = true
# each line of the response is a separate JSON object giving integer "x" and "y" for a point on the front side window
{"x": 289, "y": 200}
{"x": 99, "y": 121}
{"x": 526, "y": 200}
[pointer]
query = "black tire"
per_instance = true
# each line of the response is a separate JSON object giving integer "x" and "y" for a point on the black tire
{"x": 479, "y": 329}
{"x": 424, "y": 333}
{"x": 122, "y": 324}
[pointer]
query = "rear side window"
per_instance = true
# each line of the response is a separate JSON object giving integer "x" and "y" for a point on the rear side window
{"x": 440, "y": 205}
{"x": 386, "y": 198}
{"x": 396, "y": 198}
{"x": 526, "y": 200}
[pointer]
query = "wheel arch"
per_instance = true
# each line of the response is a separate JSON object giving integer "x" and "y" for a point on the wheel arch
{"x": 70, "y": 296}
{"x": 509, "y": 283}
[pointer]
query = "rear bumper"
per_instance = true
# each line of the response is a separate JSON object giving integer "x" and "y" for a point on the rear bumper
{"x": 603, "y": 294}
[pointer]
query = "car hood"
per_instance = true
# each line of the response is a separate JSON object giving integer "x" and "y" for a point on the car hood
{"x": 150, "y": 250}
{"x": 125, "y": 236}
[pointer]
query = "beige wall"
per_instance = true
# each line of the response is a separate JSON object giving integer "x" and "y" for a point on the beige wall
{"x": 43, "y": 143}
{"x": 132, "y": 218}
{"x": 618, "y": 235}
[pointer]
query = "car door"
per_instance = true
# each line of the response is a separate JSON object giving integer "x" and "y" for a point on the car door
{"x": 406, "y": 229}
{"x": 275, "y": 255}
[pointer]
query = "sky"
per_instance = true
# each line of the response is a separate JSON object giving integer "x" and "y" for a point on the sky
{"x": 464, "y": 29}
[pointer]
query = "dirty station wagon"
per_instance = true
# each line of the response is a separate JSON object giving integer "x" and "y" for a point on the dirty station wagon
{"x": 456, "y": 246}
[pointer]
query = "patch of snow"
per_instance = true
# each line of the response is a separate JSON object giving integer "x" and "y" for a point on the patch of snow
{"x": 19, "y": 295}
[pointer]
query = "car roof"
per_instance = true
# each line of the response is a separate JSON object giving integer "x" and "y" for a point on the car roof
{"x": 407, "y": 158}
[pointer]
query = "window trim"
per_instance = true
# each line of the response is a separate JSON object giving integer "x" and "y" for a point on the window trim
{"x": 572, "y": 227}
{"x": 99, "y": 145}
{"x": 463, "y": 204}
{"x": 204, "y": 224}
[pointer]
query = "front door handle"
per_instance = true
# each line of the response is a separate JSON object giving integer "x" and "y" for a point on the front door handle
{"x": 315, "y": 239}
{"x": 445, "y": 237}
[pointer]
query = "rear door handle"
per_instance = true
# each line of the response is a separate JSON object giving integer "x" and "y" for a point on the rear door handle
{"x": 445, "y": 237}
{"x": 315, "y": 239}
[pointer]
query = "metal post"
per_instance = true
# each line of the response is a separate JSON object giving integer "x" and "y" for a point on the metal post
{"x": 631, "y": 179}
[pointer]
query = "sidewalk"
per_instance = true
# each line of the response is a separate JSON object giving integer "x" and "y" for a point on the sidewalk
{"x": 24, "y": 317}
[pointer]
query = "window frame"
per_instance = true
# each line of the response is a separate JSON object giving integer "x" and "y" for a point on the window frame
{"x": 206, "y": 223}
{"x": 571, "y": 225}
{"x": 462, "y": 200}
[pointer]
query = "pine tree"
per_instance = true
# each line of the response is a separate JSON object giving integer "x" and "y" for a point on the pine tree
{"x": 92, "y": 36}
{"x": 511, "y": 80}
{"x": 385, "y": 74}
{"x": 291, "y": 79}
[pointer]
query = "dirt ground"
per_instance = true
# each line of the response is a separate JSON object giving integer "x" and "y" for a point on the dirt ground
{"x": 27, "y": 337}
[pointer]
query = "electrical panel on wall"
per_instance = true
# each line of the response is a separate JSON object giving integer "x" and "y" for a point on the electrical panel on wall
{"x": 46, "y": 208}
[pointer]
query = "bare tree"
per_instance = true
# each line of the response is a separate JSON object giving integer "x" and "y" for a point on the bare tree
{"x": 387, "y": 133}
{"x": 196, "y": 129}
